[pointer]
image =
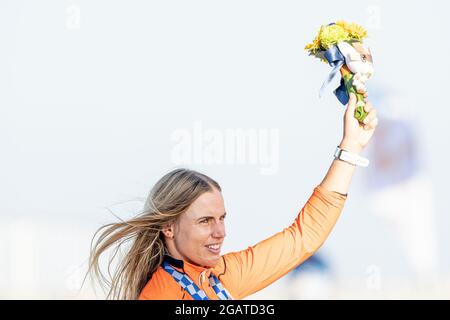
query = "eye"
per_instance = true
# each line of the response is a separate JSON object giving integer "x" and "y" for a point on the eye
{"x": 204, "y": 221}
{"x": 363, "y": 58}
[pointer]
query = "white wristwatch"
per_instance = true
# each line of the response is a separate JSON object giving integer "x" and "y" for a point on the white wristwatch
{"x": 351, "y": 158}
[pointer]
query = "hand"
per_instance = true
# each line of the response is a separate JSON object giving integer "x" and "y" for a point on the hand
{"x": 357, "y": 135}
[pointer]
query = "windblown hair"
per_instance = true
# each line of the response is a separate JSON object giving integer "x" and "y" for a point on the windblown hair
{"x": 168, "y": 199}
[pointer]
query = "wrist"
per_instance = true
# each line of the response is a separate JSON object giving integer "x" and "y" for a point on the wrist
{"x": 350, "y": 146}
{"x": 350, "y": 157}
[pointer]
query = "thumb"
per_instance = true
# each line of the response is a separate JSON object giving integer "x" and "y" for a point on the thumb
{"x": 351, "y": 106}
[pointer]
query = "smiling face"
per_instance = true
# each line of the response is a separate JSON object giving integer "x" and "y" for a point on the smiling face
{"x": 198, "y": 233}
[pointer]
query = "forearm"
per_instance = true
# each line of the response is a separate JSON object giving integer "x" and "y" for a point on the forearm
{"x": 340, "y": 173}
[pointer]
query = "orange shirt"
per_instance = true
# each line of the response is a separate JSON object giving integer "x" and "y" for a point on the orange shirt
{"x": 248, "y": 271}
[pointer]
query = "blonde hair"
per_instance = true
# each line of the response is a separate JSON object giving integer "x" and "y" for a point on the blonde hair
{"x": 168, "y": 199}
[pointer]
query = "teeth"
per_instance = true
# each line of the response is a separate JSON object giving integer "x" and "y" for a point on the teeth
{"x": 215, "y": 246}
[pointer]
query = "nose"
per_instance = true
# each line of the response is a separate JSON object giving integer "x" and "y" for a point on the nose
{"x": 219, "y": 230}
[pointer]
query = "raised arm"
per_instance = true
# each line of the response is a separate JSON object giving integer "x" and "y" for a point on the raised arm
{"x": 250, "y": 270}
{"x": 355, "y": 139}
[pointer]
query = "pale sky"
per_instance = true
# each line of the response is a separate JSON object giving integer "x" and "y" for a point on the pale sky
{"x": 92, "y": 93}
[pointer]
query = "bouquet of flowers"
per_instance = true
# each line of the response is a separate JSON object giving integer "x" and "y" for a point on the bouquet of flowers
{"x": 340, "y": 45}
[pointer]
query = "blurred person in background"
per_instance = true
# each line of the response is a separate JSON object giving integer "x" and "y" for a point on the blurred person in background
{"x": 400, "y": 187}
{"x": 312, "y": 280}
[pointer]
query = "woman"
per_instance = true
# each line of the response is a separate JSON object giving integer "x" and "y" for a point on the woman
{"x": 176, "y": 241}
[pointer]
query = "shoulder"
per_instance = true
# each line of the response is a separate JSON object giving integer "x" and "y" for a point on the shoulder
{"x": 162, "y": 286}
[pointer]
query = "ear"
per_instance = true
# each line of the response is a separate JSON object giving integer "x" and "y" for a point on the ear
{"x": 168, "y": 231}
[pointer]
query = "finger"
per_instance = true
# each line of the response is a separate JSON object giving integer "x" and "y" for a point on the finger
{"x": 366, "y": 94}
{"x": 351, "y": 100}
{"x": 370, "y": 116}
{"x": 351, "y": 106}
{"x": 361, "y": 89}
{"x": 371, "y": 125}
{"x": 368, "y": 106}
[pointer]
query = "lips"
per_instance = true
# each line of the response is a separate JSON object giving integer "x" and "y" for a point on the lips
{"x": 214, "y": 248}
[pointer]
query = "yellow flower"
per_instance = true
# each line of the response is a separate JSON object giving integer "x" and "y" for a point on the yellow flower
{"x": 313, "y": 46}
{"x": 331, "y": 35}
{"x": 355, "y": 31}
{"x": 328, "y": 36}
